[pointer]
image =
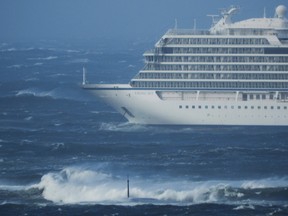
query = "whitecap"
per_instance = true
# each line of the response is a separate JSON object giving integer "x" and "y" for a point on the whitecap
{"x": 73, "y": 185}
{"x": 33, "y": 92}
{"x": 15, "y": 66}
{"x": 31, "y": 79}
{"x": 265, "y": 183}
{"x": 29, "y": 118}
{"x": 242, "y": 207}
{"x": 123, "y": 127}
{"x": 95, "y": 112}
{"x": 38, "y": 64}
{"x": 44, "y": 58}
{"x": 72, "y": 51}
{"x": 10, "y": 49}
{"x": 54, "y": 93}
{"x": 14, "y": 187}
{"x": 82, "y": 185}
{"x": 57, "y": 146}
{"x": 84, "y": 60}
{"x": 76, "y": 185}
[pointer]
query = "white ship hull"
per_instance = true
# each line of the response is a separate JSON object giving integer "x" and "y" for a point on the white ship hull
{"x": 146, "y": 107}
{"x": 234, "y": 74}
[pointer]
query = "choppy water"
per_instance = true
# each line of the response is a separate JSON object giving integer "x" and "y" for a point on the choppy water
{"x": 63, "y": 152}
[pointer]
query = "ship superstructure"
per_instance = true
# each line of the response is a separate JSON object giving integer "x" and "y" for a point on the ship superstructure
{"x": 232, "y": 74}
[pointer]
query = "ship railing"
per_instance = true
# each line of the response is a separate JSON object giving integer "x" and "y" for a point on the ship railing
{"x": 187, "y": 32}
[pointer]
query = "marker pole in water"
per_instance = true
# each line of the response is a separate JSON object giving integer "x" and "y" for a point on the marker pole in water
{"x": 84, "y": 76}
{"x": 128, "y": 192}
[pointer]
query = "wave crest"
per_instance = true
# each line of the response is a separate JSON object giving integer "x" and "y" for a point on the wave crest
{"x": 67, "y": 93}
{"x": 36, "y": 93}
{"x": 76, "y": 185}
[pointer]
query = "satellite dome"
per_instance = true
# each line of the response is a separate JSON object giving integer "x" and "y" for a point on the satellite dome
{"x": 281, "y": 11}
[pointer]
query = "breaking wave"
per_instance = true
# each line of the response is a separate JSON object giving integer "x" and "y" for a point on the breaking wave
{"x": 123, "y": 127}
{"x": 76, "y": 185}
{"x": 37, "y": 93}
{"x": 161, "y": 129}
{"x": 44, "y": 58}
{"x": 56, "y": 93}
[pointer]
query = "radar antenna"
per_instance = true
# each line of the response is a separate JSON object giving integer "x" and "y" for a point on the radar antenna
{"x": 214, "y": 18}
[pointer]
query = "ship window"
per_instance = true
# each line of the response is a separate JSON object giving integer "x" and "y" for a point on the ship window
{"x": 285, "y": 107}
{"x": 265, "y": 107}
{"x": 263, "y": 97}
{"x": 239, "y": 107}
{"x": 272, "y": 107}
{"x": 199, "y": 107}
{"x": 187, "y": 106}
{"x": 180, "y": 107}
{"x": 193, "y": 107}
{"x": 244, "y": 97}
{"x": 278, "y": 107}
{"x": 257, "y": 97}
{"x": 219, "y": 107}
{"x": 206, "y": 107}
{"x": 251, "y": 96}
{"x": 246, "y": 107}
{"x": 225, "y": 107}
{"x": 259, "y": 107}
{"x": 232, "y": 107}
{"x": 212, "y": 107}
{"x": 252, "y": 107}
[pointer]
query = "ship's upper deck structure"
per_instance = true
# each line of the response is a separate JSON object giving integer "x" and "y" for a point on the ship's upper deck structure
{"x": 245, "y": 55}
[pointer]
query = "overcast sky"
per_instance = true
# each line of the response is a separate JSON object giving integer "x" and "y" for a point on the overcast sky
{"x": 130, "y": 19}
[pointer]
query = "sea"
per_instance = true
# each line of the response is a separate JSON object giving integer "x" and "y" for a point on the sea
{"x": 65, "y": 152}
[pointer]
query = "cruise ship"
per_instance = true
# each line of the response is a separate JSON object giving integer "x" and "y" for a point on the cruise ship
{"x": 235, "y": 73}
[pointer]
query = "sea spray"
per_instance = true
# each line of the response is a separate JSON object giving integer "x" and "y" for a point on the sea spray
{"x": 79, "y": 185}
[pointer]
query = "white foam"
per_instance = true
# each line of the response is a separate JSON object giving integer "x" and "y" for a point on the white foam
{"x": 76, "y": 185}
{"x": 29, "y": 118}
{"x": 15, "y": 66}
{"x": 241, "y": 207}
{"x": 72, "y": 51}
{"x": 45, "y": 58}
{"x": 38, "y": 64}
{"x": 9, "y": 50}
{"x": 57, "y": 146}
{"x": 123, "y": 127}
{"x": 56, "y": 93}
{"x": 84, "y": 60}
{"x": 14, "y": 187}
{"x": 35, "y": 92}
{"x": 265, "y": 183}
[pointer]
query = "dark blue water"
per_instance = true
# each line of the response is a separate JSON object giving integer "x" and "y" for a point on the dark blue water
{"x": 64, "y": 152}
